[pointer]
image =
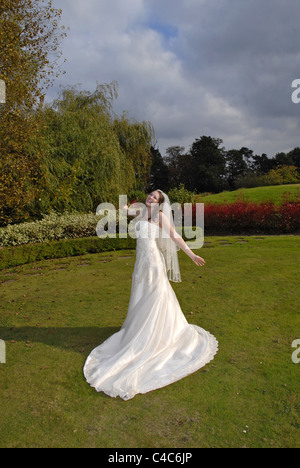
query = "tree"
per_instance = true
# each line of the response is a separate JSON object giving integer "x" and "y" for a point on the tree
{"x": 236, "y": 166}
{"x": 208, "y": 164}
{"x": 159, "y": 176}
{"x": 282, "y": 175}
{"x": 283, "y": 159}
{"x": 90, "y": 156}
{"x": 82, "y": 162}
{"x": 29, "y": 35}
{"x": 135, "y": 139}
{"x": 261, "y": 164}
{"x": 173, "y": 161}
{"x": 295, "y": 155}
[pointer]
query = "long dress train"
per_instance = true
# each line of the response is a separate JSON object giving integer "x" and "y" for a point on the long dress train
{"x": 156, "y": 345}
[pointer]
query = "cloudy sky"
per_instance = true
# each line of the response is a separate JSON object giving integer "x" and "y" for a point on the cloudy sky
{"x": 222, "y": 68}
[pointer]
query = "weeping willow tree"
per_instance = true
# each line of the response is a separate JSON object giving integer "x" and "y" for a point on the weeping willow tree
{"x": 90, "y": 155}
{"x": 136, "y": 139}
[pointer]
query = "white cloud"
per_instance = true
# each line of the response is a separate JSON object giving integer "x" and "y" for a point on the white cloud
{"x": 220, "y": 67}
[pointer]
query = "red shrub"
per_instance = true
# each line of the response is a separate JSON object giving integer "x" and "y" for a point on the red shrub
{"x": 247, "y": 217}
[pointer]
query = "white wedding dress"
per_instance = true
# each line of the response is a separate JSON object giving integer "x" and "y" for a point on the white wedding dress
{"x": 156, "y": 345}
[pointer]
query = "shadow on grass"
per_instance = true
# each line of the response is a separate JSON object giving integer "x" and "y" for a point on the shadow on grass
{"x": 79, "y": 339}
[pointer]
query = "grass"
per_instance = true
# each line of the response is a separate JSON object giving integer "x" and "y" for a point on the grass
{"x": 273, "y": 193}
{"x": 54, "y": 312}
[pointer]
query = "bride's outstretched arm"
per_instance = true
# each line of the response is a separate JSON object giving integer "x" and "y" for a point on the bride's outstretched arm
{"x": 166, "y": 226}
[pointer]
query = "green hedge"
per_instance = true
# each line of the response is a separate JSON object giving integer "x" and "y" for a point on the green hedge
{"x": 19, "y": 255}
{"x": 28, "y": 253}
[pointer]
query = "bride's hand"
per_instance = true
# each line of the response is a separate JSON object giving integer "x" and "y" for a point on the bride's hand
{"x": 130, "y": 205}
{"x": 198, "y": 260}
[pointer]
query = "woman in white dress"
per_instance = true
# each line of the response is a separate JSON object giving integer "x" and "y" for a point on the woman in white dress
{"x": 156, "y": 345}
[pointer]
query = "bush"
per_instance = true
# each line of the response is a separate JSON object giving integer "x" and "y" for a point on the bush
{"x": 181, "y": 195}
{"x": 138, "y": 196}
{"x": 14, "y": 256}
{"x": 282, "y": 175}
{"x": 250, "y": 181}
{"x": 250, "y": 218}
{"x": 51, "y": 227}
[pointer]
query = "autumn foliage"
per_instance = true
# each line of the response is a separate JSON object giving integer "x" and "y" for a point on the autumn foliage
{"x": 29, "y": 33}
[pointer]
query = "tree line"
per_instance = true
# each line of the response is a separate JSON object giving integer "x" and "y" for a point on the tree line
{"x": 208, "y": 167}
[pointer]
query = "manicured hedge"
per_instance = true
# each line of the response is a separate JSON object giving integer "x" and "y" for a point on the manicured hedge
{"x": 22, "y": 254}
{"x": 19, "y": 255}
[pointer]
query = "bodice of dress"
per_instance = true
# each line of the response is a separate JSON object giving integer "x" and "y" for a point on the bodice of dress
{"x": 149, "y": 258}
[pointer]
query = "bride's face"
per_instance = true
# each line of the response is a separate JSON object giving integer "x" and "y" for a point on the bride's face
{"x": 153, "y": 197}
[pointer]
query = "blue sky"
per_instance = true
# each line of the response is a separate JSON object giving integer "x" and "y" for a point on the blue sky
{"x": 222, "y": 68}
{"x": 165, "y": 30}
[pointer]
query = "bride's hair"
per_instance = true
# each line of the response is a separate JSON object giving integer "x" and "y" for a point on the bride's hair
{"x": 157, "y": 207}
{"x": 161, "y": 197}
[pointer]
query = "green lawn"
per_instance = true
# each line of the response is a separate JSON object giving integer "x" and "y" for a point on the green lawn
{"x": 273, "y": 193}
{"x": 54, "y": 312}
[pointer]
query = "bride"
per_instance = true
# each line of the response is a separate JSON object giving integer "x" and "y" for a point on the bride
{"x": 156, "y": 345}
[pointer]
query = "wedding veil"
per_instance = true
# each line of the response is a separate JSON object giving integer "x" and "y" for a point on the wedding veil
{"x": 166, "y": 244}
